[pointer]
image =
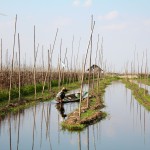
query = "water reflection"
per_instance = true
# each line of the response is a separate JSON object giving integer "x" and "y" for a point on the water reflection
{"x": 38, "y": 128}
{"x": 60, "y": 108}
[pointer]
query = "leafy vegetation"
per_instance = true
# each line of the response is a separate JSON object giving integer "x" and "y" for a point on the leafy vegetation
{"x": 28, "y": 100}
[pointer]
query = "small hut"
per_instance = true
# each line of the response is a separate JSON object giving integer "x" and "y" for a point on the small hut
{"x": 95, "y": 69}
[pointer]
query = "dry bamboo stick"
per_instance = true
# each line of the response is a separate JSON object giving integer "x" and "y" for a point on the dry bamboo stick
{"x": 48, "y": 70}
{"x": 12, "y": 64}
{"x": 90, "y": 63}
{"x": 63, "y": 76}
{"x": 141, "y": 69}
{"x": 83, "y": 70}
{"x": 59, "y": 81}
{"x": 1, "y": 57}
{"x": 50, "y": 77}
{"x": 96, "y": 62}
{"x": 19, "y": 64}
{"x": 34, "y": 67}
{"x": 42, "y": 65}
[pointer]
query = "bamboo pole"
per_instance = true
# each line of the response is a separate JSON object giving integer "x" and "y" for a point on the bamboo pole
{"x": 19, "y": 64}
{"x": 14, "y": 43}
{"x": 96, "y": 62}
{"x": 63, "y": 75}
{"x": 70, "y": 74}
{"x": 138, "y": 64}
{"x": 145, "y": 72}
{"x": 34, "y": 67}
{"x": 146, "y": 69}
{"x": 42, "y": 65}
{"x": 141, "y": 69}
{"x": 50, "y": 77}
{"x": 6, "y": 57}
{"x": 1, "y": 84}
{"x": 83, "y": 70}
{"x": 1, "y": 57}
{"x": 60, "y": 65}
{"x": 90, "y": 63}
{"x": 78, "y": 52}
{"x": 51, "y": 56}
{"x": 12, "y": 64}
{"x": 48, "y": 54}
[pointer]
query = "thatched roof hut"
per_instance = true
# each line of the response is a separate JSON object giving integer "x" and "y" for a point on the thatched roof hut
{"x": 95, "y": 68}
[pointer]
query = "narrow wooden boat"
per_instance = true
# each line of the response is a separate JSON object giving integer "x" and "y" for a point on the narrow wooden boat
{"x": 74, "y": 97}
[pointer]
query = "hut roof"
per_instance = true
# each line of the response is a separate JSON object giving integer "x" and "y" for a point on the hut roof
{"x": 95, "y": 68}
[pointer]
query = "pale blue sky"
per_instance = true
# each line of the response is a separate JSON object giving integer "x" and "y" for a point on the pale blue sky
{"x": 122, "y": 23}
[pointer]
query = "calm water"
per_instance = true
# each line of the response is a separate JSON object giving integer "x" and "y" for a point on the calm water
{"x": 38, "y": 128}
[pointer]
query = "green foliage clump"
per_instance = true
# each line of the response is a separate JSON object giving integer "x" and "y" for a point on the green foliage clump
{"x": 76, "y": 127}
{"x": 140, "y": 94}
{"x": 3, "y": 95}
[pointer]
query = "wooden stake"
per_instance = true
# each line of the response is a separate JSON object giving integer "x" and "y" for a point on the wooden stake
{"x": 12, "y": 64}
{"x": 83, "y": 70}
{"x": 1, "y": 57}
{"x": 19, "y": 64}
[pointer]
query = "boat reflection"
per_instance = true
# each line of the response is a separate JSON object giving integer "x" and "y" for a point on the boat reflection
{"x": 60, "y": 108}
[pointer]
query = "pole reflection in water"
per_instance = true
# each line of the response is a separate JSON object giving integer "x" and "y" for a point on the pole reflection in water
{"x": 9, "y": 131}
{"x": 38, "y": 127}
{"x": 34, "y": 126}
{"x": 79, "y": 141}
{"x": 42, "y": 125}
{"x": 87, "y": 138}
{"x": 18, "y": 130}
{"x": 94, "y": 138}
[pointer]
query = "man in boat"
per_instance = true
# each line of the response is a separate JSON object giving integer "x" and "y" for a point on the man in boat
{"x": 61, "y": 95}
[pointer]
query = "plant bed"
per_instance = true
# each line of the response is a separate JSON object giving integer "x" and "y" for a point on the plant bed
{"x": 89, "y": 115}
{"x": 29, "y": 100}
{"x": 140, "y": 94}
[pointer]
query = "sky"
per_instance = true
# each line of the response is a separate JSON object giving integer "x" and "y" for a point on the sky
{"x": 124, "y": 26}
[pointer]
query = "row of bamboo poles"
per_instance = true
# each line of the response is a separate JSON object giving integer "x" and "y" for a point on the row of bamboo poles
{"x": 15, "y": 75}
{"x": 135, "y": 69}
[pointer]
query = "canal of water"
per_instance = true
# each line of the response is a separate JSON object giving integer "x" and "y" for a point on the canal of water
{"x": 38, "y": 128}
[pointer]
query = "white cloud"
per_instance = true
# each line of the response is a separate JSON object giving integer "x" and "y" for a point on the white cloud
{"x": 76, "y": 2}
{"x": 112, "y": 27}
{"x": 109, "y": 16}
{"x": 87, "y": 3}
